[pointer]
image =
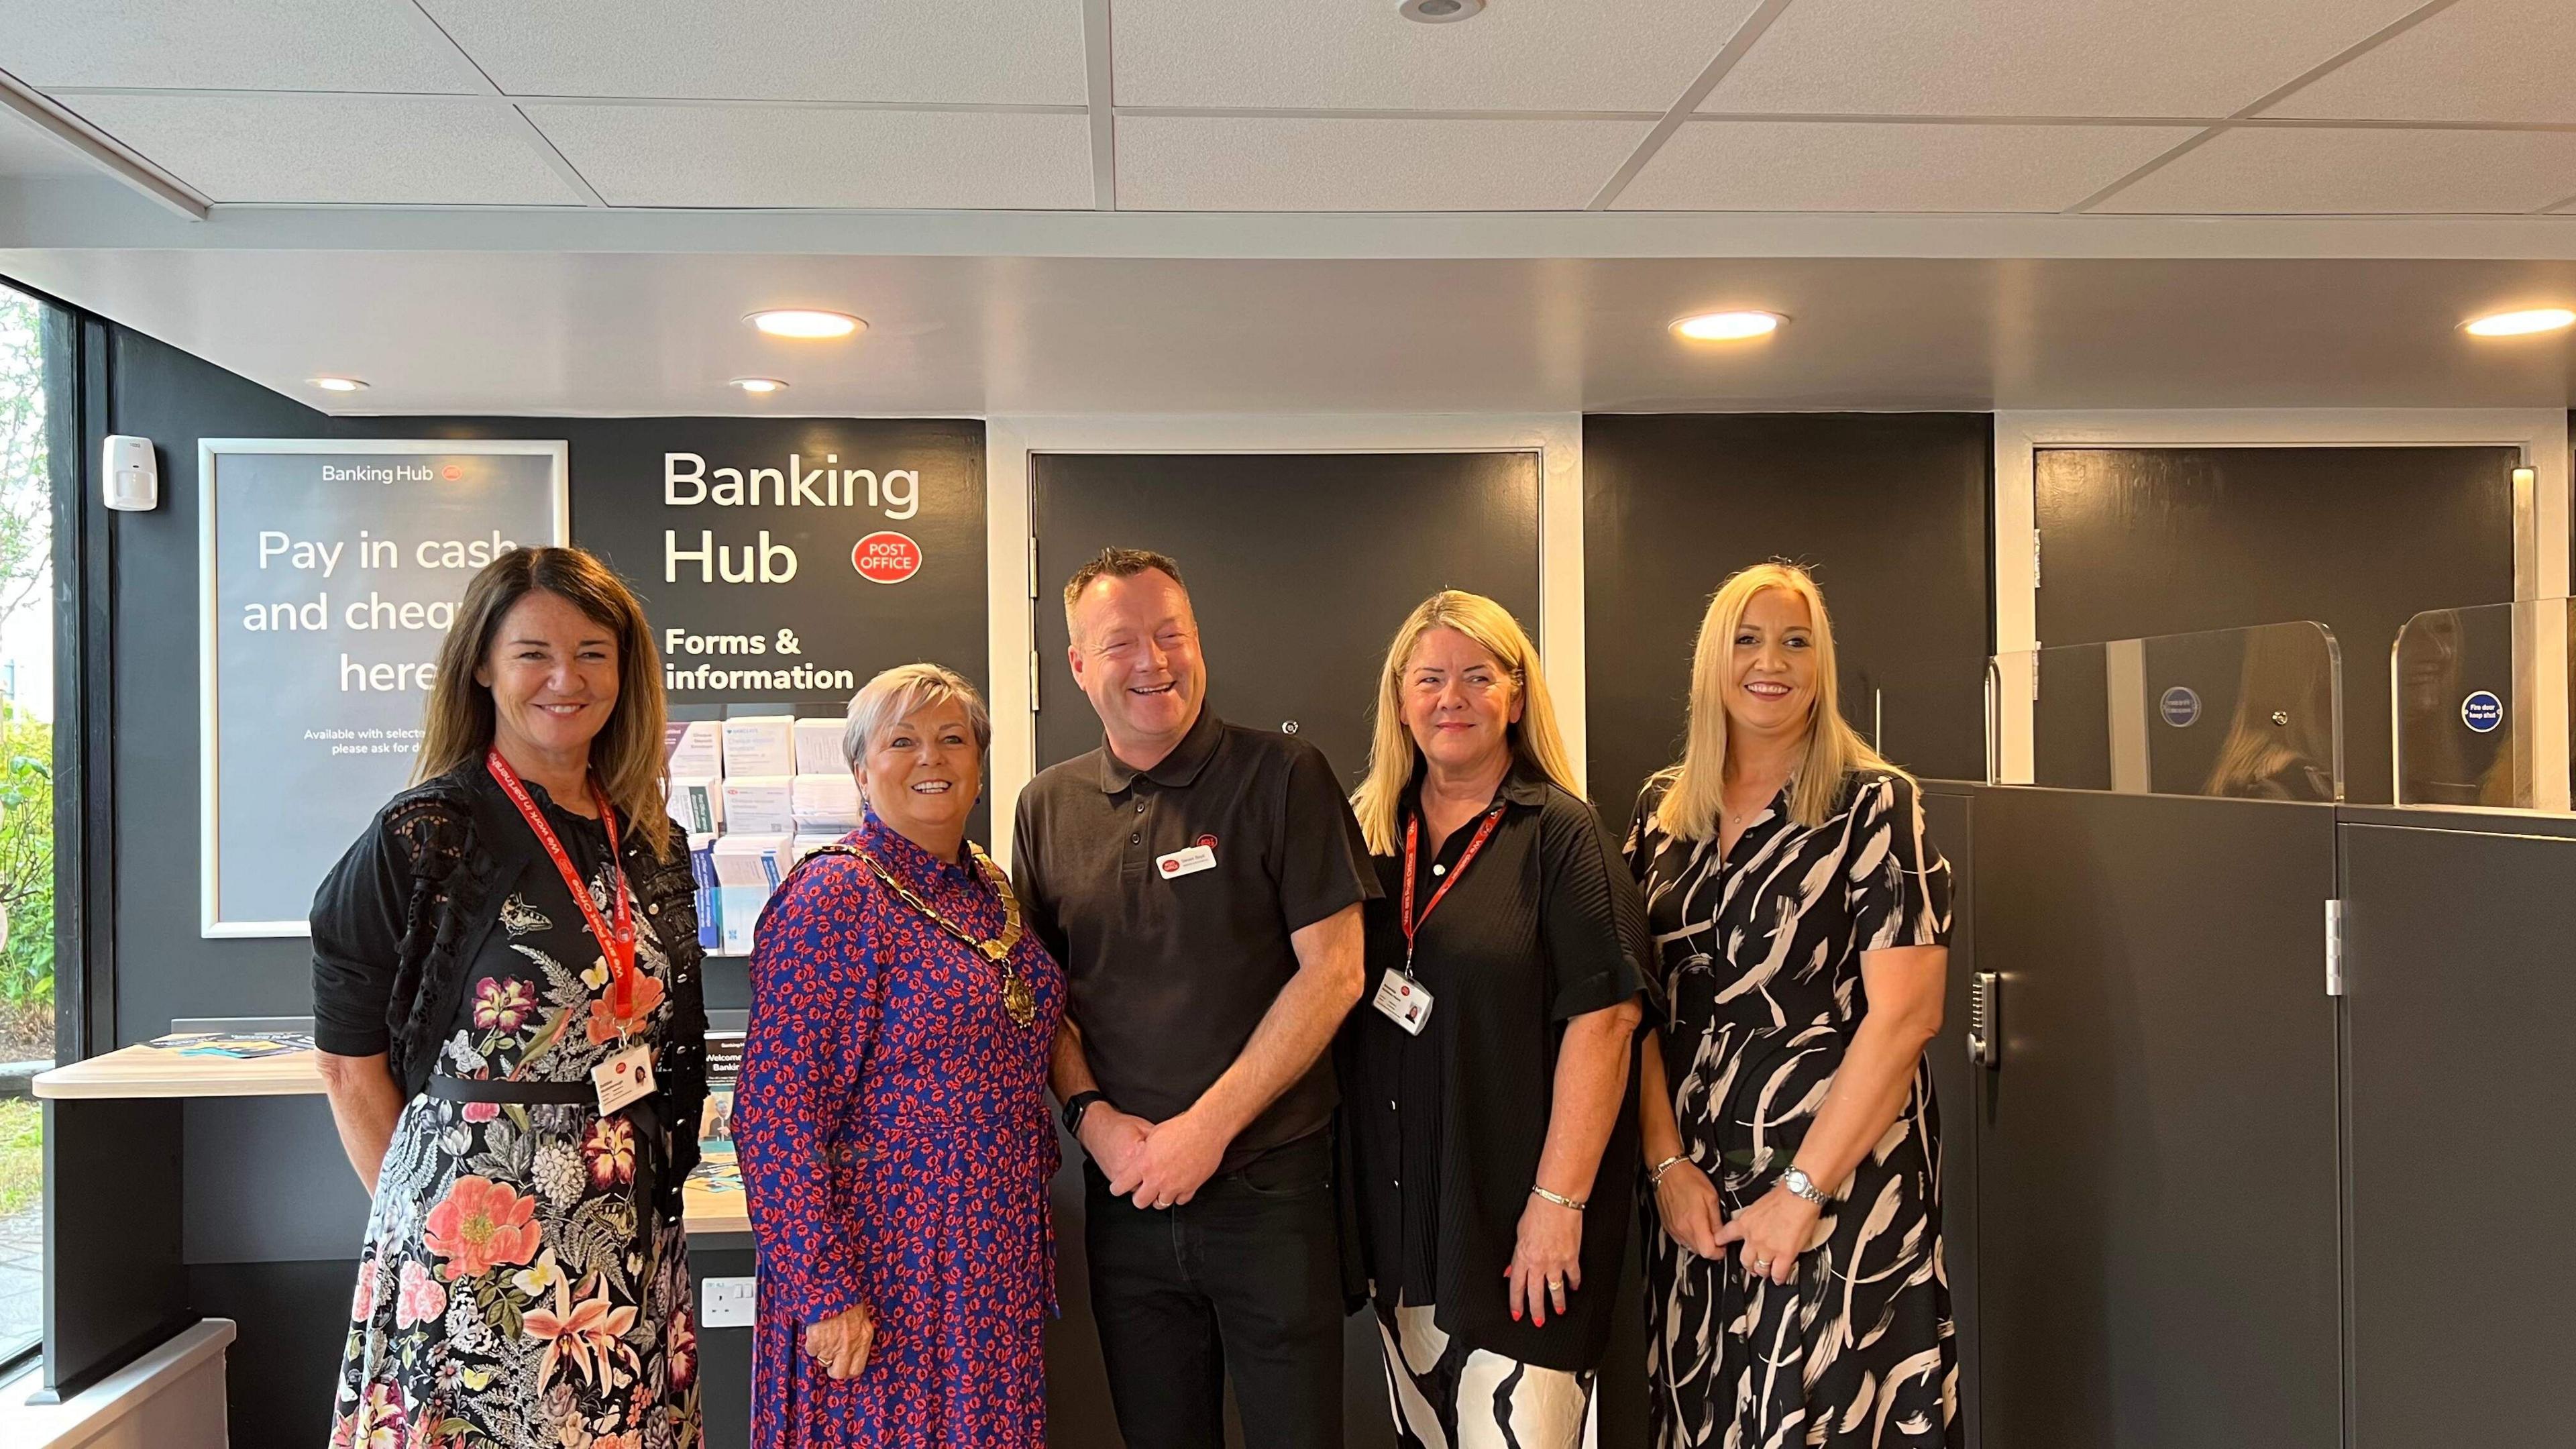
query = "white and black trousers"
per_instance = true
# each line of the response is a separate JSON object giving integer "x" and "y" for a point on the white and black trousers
{"x": 1445, "y": 1395}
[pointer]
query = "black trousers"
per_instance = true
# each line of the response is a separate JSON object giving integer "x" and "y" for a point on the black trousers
{"x": 1244, "y": 1280}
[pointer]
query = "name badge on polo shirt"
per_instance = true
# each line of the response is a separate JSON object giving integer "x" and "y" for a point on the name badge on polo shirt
{"x": 1185, "y": 862}
{"x": 1402, "y": 1000}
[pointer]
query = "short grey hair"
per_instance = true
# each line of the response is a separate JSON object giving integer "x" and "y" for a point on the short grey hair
{"x": 901, "y": 690}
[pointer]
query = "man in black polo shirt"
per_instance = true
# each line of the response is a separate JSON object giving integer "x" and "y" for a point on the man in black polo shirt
{"x": 1201, "y": 883}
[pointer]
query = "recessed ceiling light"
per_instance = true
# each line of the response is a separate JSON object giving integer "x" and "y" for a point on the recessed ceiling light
{"x": 759, "y": 384}
{"x": 2520, "y": 324}
{"x": 339, "y": 384}
{"x": 1440, "y": 12}
{"x": 805, "y": 322}
{"x": 1726, "y": 326}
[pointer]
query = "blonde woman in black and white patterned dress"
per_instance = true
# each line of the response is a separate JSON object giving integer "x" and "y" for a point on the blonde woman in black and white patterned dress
{"x": 1795, "y": 1295}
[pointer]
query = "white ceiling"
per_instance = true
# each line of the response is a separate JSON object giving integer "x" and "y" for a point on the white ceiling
{"x": 2230, "y": 106}
{"x": 534, "y": 332}
{"x": 26, "y": 150}
{"x": 1250, "y": 205}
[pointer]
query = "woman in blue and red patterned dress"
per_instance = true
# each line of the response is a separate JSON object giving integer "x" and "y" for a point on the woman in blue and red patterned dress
{"x": 891, "y": 1118}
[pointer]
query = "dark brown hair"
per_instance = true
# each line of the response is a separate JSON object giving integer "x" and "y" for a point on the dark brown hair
{"x": 627, "y": 751}
{"x": 1116, "y": 563}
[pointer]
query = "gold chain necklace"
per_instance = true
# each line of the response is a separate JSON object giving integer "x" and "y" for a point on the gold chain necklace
{"x": 1017, "y": 999}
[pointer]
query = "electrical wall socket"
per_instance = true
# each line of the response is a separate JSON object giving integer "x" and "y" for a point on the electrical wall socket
{"x": 728, "y": 1302}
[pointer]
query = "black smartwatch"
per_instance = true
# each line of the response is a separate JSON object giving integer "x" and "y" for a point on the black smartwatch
{"x": 1078, "y": 1104}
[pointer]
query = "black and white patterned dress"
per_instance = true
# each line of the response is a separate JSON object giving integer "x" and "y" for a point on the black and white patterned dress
{"x": 1761, "y": 958}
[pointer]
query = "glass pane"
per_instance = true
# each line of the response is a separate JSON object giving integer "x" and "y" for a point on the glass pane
{"x": 26, "y": 806}
{"x": 2253, "y": 713}
{"x": 2468, "y": 684}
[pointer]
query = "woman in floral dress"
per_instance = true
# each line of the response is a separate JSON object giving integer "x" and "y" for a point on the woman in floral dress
{"x": 506, "y": 930}
{"x": 892, "y": 1115}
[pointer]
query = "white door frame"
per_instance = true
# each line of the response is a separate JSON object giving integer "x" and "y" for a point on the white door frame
{"x": 1013, "y": 590}
{"x": 2540, "y": 536}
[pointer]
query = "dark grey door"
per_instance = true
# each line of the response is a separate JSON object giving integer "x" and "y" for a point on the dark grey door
{"x": 2460, "y": 1007}
{"x": 1300, "y": 566}
{"x": 2156, "y": 1214}
{"x": 2140, "y": 541}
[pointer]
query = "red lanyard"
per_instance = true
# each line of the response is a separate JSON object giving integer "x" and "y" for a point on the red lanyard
{"x": 1412, "y": 849}
{"x": 617, "y": 944}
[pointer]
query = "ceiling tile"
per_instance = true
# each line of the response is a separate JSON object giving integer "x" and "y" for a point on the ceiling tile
{"x": 252, "y": 45}
{"x": 2040, "y": 57}
{"x": 2306, "y": 170}
{"x": 1875, "y": 166}
{"x": 1520, "y": 55}
{"x": 1266, "y": 163}
{"x": 384, "y": 150}
{"x": 2488, "y": 60}
{"x": 824, "y": 156}
{"x": 986, "y": 52}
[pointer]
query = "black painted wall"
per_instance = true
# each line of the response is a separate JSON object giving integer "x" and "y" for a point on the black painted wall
{"x": 1888, "y": 509}
{"x": 164, "y": 969}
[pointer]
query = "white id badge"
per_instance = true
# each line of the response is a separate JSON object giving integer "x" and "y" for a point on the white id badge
{"x": 1404, "y": 1001}
{"x": 1185, "y": 862}
{"x": 623, "y": 1078}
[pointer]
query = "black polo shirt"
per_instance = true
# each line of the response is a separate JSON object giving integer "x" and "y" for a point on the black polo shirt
{"x": 1444, "y": 1130}
{"x": 1171, "y": 969}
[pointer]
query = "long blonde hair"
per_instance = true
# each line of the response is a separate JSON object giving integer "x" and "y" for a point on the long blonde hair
{"x": 1392, "y": 753}
{"x": 2285, "y": 670}
{"x": 1697, "y": 786}
{"x": 627, "y": 751}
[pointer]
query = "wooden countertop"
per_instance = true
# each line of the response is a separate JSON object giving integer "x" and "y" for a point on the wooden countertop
{"x": 144, "y": 1070}
{"x": 712, "y": 1202}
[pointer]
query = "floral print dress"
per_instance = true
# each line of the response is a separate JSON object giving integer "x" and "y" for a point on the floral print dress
{"x": 518, "y": 1288}
{"x": 896, "y": 1147}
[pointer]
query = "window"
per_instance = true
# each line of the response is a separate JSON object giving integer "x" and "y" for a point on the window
{"x": 26, "y": 802}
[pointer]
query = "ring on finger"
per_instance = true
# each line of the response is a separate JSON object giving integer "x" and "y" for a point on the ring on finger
{"x": 1762, "y": 1265}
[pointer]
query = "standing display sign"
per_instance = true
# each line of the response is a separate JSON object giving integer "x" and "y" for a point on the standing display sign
{"x": 329, "y": 572}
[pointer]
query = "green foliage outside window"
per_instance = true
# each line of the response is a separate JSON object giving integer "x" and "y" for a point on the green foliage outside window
{"x": 26, "y": 740}
{"x": 26, "y": 859}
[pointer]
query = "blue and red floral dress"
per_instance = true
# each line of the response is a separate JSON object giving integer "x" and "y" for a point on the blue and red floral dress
{"x": 892, "y": 1125}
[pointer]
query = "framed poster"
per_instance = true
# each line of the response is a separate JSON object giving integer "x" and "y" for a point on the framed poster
{"x": 329, "y": 571}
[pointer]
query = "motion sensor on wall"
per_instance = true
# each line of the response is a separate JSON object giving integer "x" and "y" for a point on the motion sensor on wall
{"x": 132, "y": 479}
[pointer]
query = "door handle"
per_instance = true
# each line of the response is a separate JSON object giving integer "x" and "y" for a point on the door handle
{"x": 1985, "y": 1043}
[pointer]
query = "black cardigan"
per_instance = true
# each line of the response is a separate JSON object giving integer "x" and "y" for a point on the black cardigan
{"x": 405, "y": 911}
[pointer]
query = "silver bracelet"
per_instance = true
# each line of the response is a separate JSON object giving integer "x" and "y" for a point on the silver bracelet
{"x": 1559, "y": 1200}
{"x": 1655, "y": 1174}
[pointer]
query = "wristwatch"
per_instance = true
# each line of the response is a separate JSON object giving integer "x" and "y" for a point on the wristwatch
{"x": 1798, "y": 1182}
{"x": 1076, "y": 1105}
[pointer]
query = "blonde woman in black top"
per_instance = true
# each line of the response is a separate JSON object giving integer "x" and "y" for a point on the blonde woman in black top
{"x": 1485, "y": 1077}
{"x": 1796, "y": 1292}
